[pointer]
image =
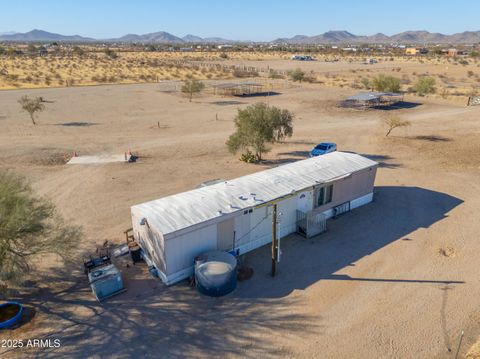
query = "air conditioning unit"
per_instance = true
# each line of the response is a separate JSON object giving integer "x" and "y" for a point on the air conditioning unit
{"x": 105, "y": 281}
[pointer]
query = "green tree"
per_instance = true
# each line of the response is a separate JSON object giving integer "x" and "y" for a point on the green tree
{"x": 424, "y": 85}
{"x": 297, "y": 75}
{"x": 29, "y": 227}
{"x": 192, "y": 87}
{"x": 31, "y": 105}
{"x": 2, "y": 50}
{"x": 386, "y": 83}
{"x": 258, "y": 125}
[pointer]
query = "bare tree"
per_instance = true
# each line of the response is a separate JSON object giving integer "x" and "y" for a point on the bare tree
{"x": 394, "y": 122}
{"x": 31, "y": 105}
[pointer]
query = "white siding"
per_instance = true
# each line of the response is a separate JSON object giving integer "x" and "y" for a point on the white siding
{"x": 242, "y": 229}
{"x": 182, "y": 250}
{"x": 305, "y": 201}
{"x": 287, "y": 216}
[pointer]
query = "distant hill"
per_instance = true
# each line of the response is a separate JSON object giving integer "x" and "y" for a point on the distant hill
{"x": 40, "y": 35}
{"x": 329, "y": 37}
{"x": 160, "y": 37}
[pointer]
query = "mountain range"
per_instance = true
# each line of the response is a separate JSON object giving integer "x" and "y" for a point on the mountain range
{"x": 329, "y": 37}
{"x": 407, "y": 37}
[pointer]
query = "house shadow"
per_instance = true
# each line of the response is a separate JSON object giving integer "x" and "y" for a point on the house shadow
{"x": 299, "y": 154}
{"x": 384, "y": 161}
{"x": 395, "y": 213}
{"x": 177, "y": 319}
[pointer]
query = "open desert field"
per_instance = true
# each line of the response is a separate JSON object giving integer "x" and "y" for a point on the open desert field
{"x": 456, "y": 78}
{"x": 397, "y": 278}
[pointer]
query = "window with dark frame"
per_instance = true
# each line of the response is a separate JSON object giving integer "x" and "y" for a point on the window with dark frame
{"x": 324, "y": 195}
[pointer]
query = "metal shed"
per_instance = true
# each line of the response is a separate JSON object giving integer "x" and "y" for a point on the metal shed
{"x": 237, "y": 89}
{"x": 237, "y": 214}
{"x": 372, "y": 99}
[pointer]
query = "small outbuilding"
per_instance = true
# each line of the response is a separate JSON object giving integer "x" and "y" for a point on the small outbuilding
{"x": 240, "y": 215}
{"x": 365, "y": 100}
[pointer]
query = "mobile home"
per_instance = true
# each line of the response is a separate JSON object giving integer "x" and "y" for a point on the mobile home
{"x": 237, "y": 214}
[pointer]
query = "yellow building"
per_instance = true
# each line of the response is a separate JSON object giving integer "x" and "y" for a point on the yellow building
{"x": 412, "y": 51}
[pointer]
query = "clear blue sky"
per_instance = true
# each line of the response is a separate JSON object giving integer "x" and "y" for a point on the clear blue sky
{"x": 238, "y": 20}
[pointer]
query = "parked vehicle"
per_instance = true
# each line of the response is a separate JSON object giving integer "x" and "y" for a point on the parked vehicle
{"x": 323, "y": 148}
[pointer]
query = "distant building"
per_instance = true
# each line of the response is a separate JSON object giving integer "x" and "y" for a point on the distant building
{"x": 412, "y": 51}
{"x": 452, "y": 52}
{"x": 416, "y": 51}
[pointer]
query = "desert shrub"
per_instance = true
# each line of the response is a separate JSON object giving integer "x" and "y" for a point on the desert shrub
{"x": 77, "y": 50}
{"x": 273, "y": 74}
{"x": 110, "y": 53}
{"x": 394, "y": 122}
{"x": 296, "y": 74}
{"x": 444, "y": 93}
{"x": 248, "y": 157}
{"x": 223, "y": 55}
{"x": 424, "y": 85}
{"x": 365, "y": 82}
{"x": 31, "y": 105}
{"x": 386, "y": 83}
{"x": 258, "y": 125}
{"x": 32, "y": 49}
{"x": 192, "y": 87}
{"x": 244, "y": 73}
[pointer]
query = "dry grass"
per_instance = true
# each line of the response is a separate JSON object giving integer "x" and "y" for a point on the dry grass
{"x": 453, "y": 79}
{"x": 474, "y": 351}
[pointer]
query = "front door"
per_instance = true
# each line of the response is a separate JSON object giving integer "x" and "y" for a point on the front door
{"x": 225, "y": 233}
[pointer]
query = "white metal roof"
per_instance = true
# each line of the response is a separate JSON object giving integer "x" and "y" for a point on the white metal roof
{"x": 182, "y": 210}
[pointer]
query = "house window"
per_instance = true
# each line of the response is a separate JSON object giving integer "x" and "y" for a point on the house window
{"x": 324, "y": 195}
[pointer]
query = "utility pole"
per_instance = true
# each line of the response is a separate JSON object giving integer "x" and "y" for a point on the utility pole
{"x": 274, "y": 240}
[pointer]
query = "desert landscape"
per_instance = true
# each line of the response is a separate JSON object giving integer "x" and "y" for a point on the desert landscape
{"x": 397, "y": 278}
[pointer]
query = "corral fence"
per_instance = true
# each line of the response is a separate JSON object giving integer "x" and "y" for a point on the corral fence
{"x": 269, "y": 85}
{"x": 474, "y": 101}
{"x": 224, "y": 67}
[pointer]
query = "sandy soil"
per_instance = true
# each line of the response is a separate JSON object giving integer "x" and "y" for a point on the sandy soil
{"x": 397, "y": 278}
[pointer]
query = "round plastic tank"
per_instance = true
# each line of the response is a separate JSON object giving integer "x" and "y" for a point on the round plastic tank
{"x": 216, "y": 273}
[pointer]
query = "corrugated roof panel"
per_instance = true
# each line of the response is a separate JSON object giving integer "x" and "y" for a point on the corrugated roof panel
{"x": 182, "y": 210}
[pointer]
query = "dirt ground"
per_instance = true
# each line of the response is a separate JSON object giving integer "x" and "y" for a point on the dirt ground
{"x": 397, "y": 278}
